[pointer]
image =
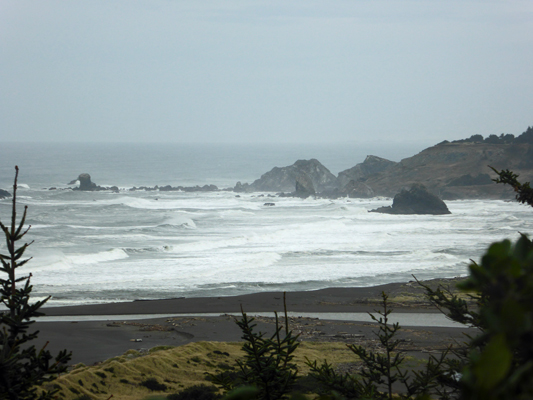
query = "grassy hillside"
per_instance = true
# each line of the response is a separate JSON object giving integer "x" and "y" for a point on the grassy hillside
{"x": 177, "y": 368}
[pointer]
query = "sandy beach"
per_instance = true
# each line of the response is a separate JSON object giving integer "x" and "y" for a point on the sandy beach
{"x": 95, "y": 341}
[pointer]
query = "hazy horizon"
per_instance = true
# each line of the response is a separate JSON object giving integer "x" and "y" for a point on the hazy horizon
{"x": 51, "y": 164}
{"x": 387, "y": 71}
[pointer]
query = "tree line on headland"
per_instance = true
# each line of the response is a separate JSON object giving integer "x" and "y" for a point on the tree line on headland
{"x": 504, "y": 138}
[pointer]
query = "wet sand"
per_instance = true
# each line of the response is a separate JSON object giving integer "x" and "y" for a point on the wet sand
{"x": 95, "y": 341}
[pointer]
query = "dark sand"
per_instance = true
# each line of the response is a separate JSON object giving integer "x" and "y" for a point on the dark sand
{"x": 325, "y": 300}
{"x": 95, "y": 341}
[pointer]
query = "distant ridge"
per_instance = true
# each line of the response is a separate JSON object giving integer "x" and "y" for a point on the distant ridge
{"x": 504, "y": 138}
{"x": 450, "y": 170}
{"x": 459, "y": 169}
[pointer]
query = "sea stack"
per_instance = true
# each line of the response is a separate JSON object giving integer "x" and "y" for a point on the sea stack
{"x": 85, "y": 182}
{"x": 416, "y": 200}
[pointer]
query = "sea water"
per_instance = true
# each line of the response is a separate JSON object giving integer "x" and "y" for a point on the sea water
{"x": 94, "y": 247}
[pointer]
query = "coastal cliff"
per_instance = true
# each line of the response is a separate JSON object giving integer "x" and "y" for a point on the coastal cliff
{"x": 456, "y": 170}
{"x": 284, "y": 179}
{"x": 449, "y": 170}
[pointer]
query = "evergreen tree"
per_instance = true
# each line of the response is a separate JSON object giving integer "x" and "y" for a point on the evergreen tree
{"x": 267, "y": 371}
{"x": 524, "y": 192}
{"x": 22, "y": 366}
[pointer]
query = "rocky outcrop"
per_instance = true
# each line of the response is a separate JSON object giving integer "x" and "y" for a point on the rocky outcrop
{"x": 371, "y": 166}
{"x": 239, "y": 187}
{"x": 88, "y": 186}
{"x": 4, "y": 194}
{"x": 356, "y": 189}
{"x": 416, "y": 200}
{"x": 284, "y": 179}
{"x": 304, "y": 186}
{"x": 85, "y": 183}
{"x": 168, "y": 188}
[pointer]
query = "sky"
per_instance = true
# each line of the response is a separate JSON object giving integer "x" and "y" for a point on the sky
{"x": 235, "y": 71}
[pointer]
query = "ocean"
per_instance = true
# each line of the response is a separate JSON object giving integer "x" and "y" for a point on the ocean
{"x": 99, "y": 247}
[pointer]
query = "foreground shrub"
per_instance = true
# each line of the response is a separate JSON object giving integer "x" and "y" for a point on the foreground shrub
{"x": 380, "y": 369}
{"x": 196, "y": 392}
{"x": 154, "y": 385}
{"x": 500, "y": 364}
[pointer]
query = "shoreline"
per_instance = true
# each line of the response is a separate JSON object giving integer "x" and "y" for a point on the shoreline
{"x": 95, "y": 341}
{"x": 348, "y": 299}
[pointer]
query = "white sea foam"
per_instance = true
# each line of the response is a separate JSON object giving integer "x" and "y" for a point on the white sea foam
{"x": 110, "y": 255}
{"x": 95, "y": 228}
{"x": 45, "y": 260}
{"x": 235, "y": 213}
{"x": 58, "y": 261}
{"x": 215, "y": 244}
{"x": 180, "y": 220}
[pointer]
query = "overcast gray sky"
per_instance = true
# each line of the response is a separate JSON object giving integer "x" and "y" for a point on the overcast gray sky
{"x": 264, "y": 71}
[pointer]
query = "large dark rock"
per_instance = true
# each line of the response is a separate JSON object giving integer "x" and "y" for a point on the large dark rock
{"x": 4, "y": 194}
{"x": 372, "y": 165}
{"x": 417, "y": 200}
{"x": 85, "y": 183}
{"x": 304, "y": 186}
{"x": 284, "y": 179}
